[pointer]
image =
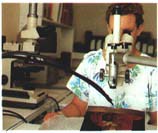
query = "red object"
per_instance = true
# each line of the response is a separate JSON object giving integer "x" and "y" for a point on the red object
{"x": 67, "y": 14}
{"x": 113, "y": 121}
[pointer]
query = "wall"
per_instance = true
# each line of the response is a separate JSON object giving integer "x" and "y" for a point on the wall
{"x": 150, "y": 17}
{"x": 14, "y": 18}
{"x": 10, "y": 20}
{"x": 92, "y": 17}
{"x": 86, "y": 17}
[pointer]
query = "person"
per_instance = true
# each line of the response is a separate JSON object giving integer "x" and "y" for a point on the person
{"x": 134, "y": 95}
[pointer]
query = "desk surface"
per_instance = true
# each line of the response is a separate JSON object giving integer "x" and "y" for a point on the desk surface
{"x": 63, "y": 96}
{"x": 29, "y": 114}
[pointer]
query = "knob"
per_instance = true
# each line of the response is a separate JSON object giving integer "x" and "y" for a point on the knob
{"x": 4, "y": 79}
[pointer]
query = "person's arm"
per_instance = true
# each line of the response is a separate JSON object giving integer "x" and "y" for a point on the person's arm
{"x": 77, "y": 107}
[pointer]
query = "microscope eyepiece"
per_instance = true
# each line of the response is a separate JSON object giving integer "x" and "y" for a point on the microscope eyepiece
{"x": 32, "y": 10}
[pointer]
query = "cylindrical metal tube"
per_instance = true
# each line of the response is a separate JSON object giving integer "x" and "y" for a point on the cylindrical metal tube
{"x": 32, "y": 10}
{"x": 113, "y": 76}
{"x": 31, "y": 22}
{"x": 32, "y": 16}
{"x": 142, "y": 60}
{"x": 116, "y": 30}
{"x": 112, "y": 71}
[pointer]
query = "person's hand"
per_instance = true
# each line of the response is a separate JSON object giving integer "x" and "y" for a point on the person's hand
{"x": 51, "y": 115}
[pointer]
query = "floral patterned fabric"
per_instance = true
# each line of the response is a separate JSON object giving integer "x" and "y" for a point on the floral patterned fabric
{"x": 139, "y": 94}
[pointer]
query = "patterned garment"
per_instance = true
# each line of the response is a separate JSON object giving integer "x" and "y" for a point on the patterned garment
{"x": 139, "y": 94}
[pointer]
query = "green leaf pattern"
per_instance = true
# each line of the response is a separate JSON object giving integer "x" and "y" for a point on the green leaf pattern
{"x": 90, "y": 68}
{"x": 135, "y": 71}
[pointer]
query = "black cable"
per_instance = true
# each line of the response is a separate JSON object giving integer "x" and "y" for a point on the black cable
{"x": 15, "y": 115}
{"x": 35, "y": 58}
{"x": 96, "y": 86}
{"x": 56, "y": 102}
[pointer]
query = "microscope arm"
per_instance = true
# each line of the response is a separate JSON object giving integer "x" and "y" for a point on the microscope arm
{"x": 142, "y": 60}
{"x": 125, "y": 58}
{"x": 128, "y": 58}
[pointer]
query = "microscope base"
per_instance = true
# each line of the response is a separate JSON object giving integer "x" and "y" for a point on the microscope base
{"x": 14, "y": 104}
{"x": 28, "y": 99}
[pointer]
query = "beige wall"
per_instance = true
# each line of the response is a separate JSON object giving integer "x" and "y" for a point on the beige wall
{"x": 10, "y": 20}
{"x": 150, "y": 18}
{"x": 89, "y": 17}
{"x": 86, "y": 17}
{"x": 14, "y": 18}
{"x": 92, "y": 17}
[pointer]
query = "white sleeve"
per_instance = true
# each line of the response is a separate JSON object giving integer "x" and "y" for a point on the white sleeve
{"x": 153, "y": 91}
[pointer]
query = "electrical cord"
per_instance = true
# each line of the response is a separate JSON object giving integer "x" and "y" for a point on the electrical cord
{"x": 35, "y": 58}
{"x": 56, "y": 102}
{"x": 14, "y": 114}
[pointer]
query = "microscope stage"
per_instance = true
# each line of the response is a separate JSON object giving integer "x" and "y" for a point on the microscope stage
{"x": 20, "y": 98}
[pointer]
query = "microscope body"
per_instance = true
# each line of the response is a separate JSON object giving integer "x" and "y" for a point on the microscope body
{"x": 7, "y": 66}
{"x": 116, "y": 66}
{"x": 16, "y": 91}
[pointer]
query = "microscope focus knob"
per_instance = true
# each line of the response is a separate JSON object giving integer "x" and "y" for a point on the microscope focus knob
{"x": 4, "y": 79}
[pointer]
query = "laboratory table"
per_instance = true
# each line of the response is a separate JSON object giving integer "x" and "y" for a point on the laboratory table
{"x": 62, "y": 96}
